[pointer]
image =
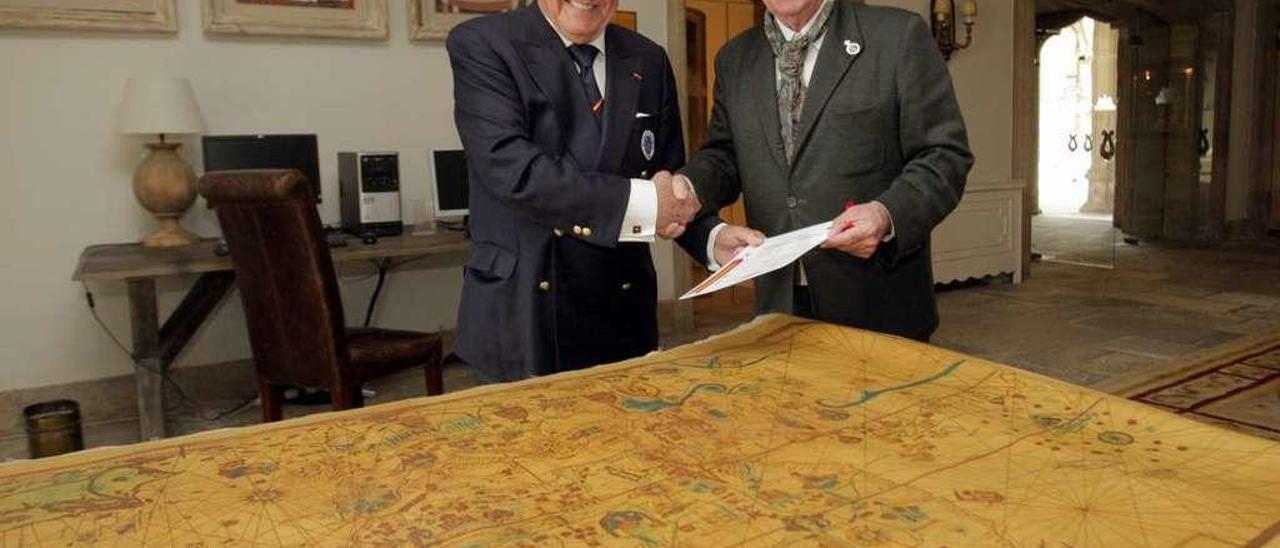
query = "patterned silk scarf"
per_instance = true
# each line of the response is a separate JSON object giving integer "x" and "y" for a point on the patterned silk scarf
{"x": 790, "y": 58}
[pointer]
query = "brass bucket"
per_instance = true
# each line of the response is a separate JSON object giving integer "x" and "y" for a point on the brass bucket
{"x": 53, "y": 428}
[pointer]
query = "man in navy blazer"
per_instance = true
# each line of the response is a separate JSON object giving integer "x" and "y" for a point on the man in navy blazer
{"x": 571, "y": 126}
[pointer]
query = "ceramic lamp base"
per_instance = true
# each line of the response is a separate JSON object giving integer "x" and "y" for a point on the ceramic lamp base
{"x": 166, "y": 186}
{"x": 170, "y": 234}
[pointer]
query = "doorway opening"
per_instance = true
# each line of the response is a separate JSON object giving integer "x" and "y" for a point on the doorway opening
{"x": 1149, "y": 85}
{"x": 1079, "y": 77}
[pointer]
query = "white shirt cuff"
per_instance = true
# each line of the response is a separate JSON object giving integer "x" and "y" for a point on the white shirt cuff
{"x": 638, "y": 223}
{"x": 887, "y": 237}
{"x": 712, "y": 265}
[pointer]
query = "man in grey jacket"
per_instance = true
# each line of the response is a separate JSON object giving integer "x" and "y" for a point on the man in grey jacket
{"x": 835, "y": 110}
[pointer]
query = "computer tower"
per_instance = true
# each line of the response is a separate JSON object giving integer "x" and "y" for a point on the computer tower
{"x": 369, "y": 183}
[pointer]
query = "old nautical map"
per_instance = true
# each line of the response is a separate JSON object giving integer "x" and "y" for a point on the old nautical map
{"x": 782, "y": 433}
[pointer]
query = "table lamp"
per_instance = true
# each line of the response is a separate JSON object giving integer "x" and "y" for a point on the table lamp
{"x": 163, "y": 183}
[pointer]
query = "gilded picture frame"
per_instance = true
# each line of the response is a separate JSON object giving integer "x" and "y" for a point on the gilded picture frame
{"x": 354, "y": 19}
{"x": 433, "y": 19}
{"x": 158, "y": 16}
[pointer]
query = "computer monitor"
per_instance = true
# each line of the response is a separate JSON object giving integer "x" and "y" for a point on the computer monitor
{"x": 449, "y": 185}
{"x": 223, "y": 152}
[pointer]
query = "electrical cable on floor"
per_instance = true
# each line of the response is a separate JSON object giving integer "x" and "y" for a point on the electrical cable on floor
{"x": 362, "y": 278}
{"x": 238, "y": 408}
{"x": 164, "y": 377}
{"x": 412, "y": 260}
{"x": 384, "y": 266}
{"x": 93, "y": 309}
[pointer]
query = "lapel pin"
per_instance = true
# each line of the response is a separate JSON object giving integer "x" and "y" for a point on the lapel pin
{"x": 648, "y": 144}
{"x": 852, "y": 48}
{"x": 637, "y": 76}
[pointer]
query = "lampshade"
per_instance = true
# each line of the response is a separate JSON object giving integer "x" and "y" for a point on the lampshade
{"x": 157, "y": 106}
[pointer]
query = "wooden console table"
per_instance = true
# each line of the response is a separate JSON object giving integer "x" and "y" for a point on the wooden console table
{"x": 155, "y": 345}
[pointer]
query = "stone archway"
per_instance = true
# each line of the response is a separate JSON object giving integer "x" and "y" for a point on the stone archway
{"x": 1194, "y": 193}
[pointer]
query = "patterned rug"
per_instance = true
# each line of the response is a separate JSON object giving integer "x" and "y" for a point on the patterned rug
{"x": 1236, "y": 386}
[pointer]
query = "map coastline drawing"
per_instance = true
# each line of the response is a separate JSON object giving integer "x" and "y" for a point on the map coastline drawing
{"x": 785, "y": 432}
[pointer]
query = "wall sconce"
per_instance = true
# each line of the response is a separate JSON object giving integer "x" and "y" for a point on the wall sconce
{"x": 944, "y": 25}
{"x": 1106, "y": 103}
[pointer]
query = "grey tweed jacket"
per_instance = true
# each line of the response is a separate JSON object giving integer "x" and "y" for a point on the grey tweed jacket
{"x": 880, "y": 122}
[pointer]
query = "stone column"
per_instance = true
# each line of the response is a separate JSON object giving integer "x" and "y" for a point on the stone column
{"x": 1142, "y": 128}
{"x": 1102, "y": 173}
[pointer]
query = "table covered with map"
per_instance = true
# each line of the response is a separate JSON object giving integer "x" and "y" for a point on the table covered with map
{"x": 782, "y": 433}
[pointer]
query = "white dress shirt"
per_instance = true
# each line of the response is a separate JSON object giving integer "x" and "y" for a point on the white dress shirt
{"x": 642, "y": 205}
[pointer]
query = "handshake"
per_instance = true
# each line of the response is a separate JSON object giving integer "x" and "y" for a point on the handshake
{"x": 677, "y": 204}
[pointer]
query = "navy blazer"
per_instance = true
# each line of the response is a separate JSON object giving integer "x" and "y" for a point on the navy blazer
{"x": 547, "y": 287}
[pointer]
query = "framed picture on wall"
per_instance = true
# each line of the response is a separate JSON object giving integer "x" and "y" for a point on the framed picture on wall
{"x": 432, "y": 19}
{"x": 360, "y": 19}
{"x": 625, "y": 19}
{"x": 115, "y": 15}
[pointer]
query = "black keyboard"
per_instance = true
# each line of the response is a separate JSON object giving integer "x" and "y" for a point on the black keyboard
{"x": 336, "y": 239}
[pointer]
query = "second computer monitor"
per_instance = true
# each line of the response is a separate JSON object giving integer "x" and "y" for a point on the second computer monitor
{"x": 223, "y": 152}
{"x": 450, "y": 188}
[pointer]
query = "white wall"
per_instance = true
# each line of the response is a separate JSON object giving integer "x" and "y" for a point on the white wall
{"x": 65, "y": 174}
{"x": 983, "y": 76}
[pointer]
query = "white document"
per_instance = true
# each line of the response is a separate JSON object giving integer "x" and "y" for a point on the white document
{"x": 775, "y": 253}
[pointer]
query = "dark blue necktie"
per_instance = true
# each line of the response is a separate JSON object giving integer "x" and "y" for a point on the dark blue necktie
{"x": 585, "y": 56}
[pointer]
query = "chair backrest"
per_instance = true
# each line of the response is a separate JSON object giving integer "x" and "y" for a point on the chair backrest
{"x": 286, "y": 277}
